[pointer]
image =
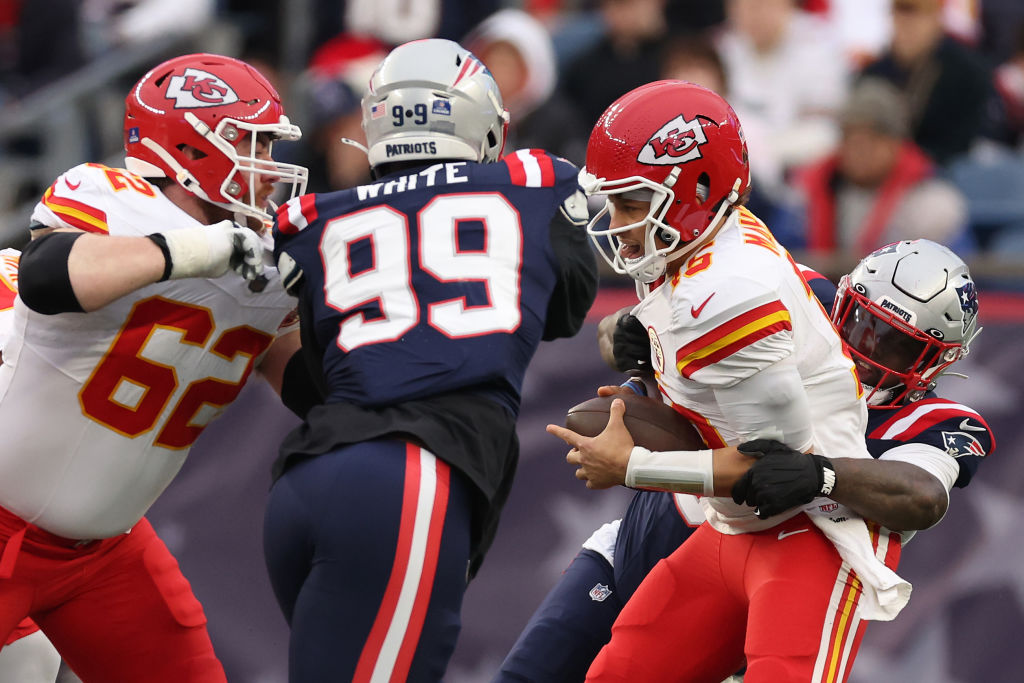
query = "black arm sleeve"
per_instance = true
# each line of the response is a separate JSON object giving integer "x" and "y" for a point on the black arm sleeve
{"x": 299, "y": 389}
{"x": 43, "y": 280}
{"x": 577, "y": 279}
{"x": 311, "y": 352}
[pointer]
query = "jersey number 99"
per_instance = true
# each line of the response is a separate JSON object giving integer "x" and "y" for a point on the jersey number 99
{"x": 389, "y": 281}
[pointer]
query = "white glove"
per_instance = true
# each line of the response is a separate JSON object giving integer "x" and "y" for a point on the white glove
{"x": 209, "y": 251}
{"x": 290, "y": 272}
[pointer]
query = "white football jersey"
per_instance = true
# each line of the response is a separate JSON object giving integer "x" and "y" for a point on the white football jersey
{"x": 99, "y": 410}
{"x": 738, "y": 305}
{"x": 8, "y": 292}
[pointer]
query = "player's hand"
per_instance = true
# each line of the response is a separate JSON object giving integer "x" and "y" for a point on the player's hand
{"x": 631, "y": 344}
{"x": 291, "y": 273}
{"x": 601, "y": 460}
{"x": 210, "y": 251}
{"x": 781, "y": 478}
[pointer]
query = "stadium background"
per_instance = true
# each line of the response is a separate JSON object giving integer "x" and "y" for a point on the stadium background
{"x": 65, "y": 66}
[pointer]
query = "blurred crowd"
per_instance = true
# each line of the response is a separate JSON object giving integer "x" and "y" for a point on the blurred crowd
{"x": 867, "y": 120}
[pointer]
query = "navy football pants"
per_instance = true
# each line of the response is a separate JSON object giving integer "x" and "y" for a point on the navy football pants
{"x": 367, "y": 549}
{"x": 575, "y": 620}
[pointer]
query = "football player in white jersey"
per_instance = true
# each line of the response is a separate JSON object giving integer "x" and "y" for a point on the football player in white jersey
{"x": 27, "y": 656}
{"x": 741, "y": 347}
{"x": 131, "y": 333}
{"x": 923, "y": 446}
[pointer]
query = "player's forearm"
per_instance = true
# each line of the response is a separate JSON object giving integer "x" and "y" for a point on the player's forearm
{"x": 103, "y": 269}
{"x": 898, "y": 495}
{"x": 706, "y": 472}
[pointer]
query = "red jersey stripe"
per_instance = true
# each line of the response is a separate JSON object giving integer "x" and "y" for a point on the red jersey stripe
{"x": 547, "y": 168}
{"x": 693, "y": 366}
{"x": 516, "y": 171}
{"x": 730, "y": 327}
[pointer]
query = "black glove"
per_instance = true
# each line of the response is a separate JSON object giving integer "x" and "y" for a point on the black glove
{"x": 631, "y": 345}
{"x": 782, "y": 478}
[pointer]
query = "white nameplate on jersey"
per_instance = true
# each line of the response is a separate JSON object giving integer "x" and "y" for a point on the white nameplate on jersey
{"x": 429, "y": 177}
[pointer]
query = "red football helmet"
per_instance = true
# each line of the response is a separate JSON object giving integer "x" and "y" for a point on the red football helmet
{"x": 678, "y": 144}
{"x": 217, "y": 105}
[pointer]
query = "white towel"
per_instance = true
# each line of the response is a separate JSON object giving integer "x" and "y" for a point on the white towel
{"x": 884, "y": 592}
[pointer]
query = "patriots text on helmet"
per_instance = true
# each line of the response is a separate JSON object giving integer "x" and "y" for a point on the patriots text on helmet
{"x": 393, "y": 149}
{"x": 890, "y": 305}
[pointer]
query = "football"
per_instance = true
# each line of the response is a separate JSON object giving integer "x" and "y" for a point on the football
{"x": 652, "y": 424}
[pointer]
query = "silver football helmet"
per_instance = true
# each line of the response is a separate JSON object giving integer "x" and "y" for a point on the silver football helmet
{"x": 907, "y": 312}
{"x": 432, "y": 99}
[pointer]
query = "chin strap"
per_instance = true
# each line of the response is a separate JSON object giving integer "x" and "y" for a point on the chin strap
{"x": 355, "y": 143}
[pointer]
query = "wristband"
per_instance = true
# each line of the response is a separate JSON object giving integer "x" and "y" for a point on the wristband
{"x": 160, "y": 241}
{"x": 828, "y": 474}
{"x": 677, "y": 471}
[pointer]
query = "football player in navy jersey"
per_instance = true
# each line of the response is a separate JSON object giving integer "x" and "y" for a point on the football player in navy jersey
{"x": 422, "y": 296}
{"x": 894, "y": 310}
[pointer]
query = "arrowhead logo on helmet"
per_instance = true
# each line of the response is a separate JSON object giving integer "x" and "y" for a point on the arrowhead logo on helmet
{"x": 198, "y": 88}
{"x": 677, "y": 142}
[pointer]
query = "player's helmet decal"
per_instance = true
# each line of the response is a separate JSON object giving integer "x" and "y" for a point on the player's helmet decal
{"x": 676, "y": 142}
{"x": 198, "y": 88}
{"x": 968, "y": 295}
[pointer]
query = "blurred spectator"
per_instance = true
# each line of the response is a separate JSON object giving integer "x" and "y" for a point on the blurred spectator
{"x": 1001, "y": 25}
{"x": 39, "y": 42}
{"x": 626, "y": 57}
{"x": 1009, "y": 78}
{"x": 878, "y": 187}
{"x": 397, "y": 21}
{"x": 517, "y": 50}
{"x": 787, "y": 77}
{"x": 338, "y": 75}
{"x": 694, "y": 59}
{"x": 111, "y": 23}
{"x": 947, "y": 85}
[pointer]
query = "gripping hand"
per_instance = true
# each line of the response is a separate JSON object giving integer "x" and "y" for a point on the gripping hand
{"x": 631, "y": 345}
{"x": 210, "y": 251}
{"x": 782, "y": 478}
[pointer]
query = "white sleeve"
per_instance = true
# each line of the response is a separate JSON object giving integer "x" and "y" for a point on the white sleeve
{"x": 938, "y": 463}
{"x": 770, "y": 403}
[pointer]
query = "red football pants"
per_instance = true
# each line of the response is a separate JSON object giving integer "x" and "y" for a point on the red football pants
{"x": 117, "y": 610}
{"x": 780, "y": 599}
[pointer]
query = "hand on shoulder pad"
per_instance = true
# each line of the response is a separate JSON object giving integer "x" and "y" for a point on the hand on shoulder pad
{"x": 631, "y": 345}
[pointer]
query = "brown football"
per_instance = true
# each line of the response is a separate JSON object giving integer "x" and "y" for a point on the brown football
{"x": 651, "y": 423}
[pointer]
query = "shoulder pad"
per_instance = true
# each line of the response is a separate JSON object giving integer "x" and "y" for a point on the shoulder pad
{"x": 537, "y": 168}
{"x": 295, "y": 215}
{"x": 79, "y": 197}
{"x": 8, "y": 277}
{"x": 947, "y": 425}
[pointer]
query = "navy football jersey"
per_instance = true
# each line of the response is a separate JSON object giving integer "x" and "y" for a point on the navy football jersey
{"x": 423, "y": 298}
{"x": 947, "y": 425}
{"x": 432, "y": 280}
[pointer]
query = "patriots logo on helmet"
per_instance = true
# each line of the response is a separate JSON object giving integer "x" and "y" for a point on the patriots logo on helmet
{"x": 198, "y": 88}
{"x": 676, "y": 142}
{"x": 962, "y": 443}
{"x": 968, "y": 295}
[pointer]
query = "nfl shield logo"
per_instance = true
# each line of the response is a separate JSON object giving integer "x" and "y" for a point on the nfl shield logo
{"x": 133, "y": 134}
{"x": 600, "y": 592}
{"x": 441, "y": 107}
